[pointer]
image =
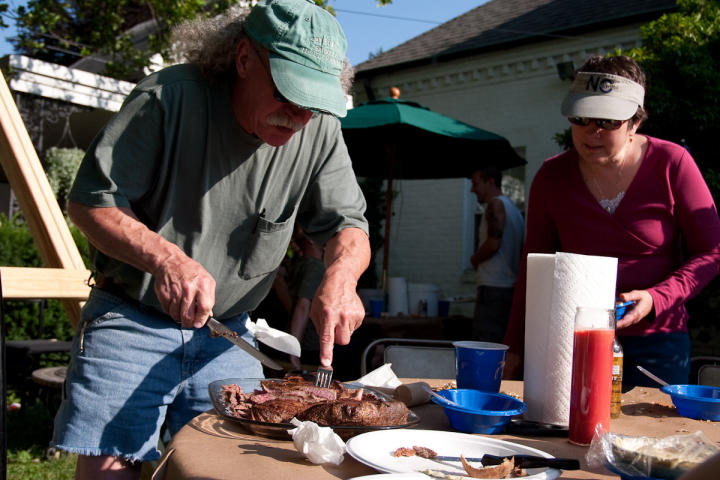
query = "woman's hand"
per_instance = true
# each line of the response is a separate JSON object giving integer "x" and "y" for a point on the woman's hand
{"x": 643, "y": 306}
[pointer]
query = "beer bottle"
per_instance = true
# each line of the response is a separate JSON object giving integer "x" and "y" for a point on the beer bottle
{"x": 617, "y": 371}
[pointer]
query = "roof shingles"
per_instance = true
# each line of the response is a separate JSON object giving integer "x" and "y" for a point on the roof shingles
{"x": 503, "y": 22}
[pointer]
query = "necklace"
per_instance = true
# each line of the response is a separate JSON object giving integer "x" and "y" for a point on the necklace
{"x": 609, "y": 204}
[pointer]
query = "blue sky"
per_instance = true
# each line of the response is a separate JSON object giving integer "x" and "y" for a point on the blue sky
{"x": 367, "y": 26}
{"x": 5, "y": 46}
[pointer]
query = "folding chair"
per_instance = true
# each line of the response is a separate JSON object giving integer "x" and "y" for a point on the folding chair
{"x": 709, "y": 375}
{"x": 708, "y": 370}
{"x": 413, "y": 357}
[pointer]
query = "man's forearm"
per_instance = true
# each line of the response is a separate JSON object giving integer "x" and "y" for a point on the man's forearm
{"x": 485, "y": 251}
{"x": 348, "y": 252}
{"x": 118, "y": 233}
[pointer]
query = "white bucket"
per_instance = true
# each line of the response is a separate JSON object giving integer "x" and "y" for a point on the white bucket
{"x": 397, "y": 296}
{"x": 423, "y": 298}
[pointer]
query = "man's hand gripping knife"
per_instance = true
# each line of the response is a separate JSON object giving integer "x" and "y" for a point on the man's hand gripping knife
{"x": 186, "y": 290}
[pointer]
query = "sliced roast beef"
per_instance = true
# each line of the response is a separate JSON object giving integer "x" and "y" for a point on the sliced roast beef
{"x": 297, "y": 396}
{"x": 276, "y": 411}
{"x": 356, "y": 412}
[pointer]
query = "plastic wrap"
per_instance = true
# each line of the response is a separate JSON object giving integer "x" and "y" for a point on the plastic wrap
{"x": 636, "y": 457}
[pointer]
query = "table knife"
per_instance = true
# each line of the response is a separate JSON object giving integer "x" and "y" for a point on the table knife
{"x": 522, "y": 461}
{"x": 518, "y": 426}
{"x": 218, "y": 328}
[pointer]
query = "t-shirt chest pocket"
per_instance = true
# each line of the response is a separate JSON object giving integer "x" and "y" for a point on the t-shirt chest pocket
{"x": 268, "y": 246}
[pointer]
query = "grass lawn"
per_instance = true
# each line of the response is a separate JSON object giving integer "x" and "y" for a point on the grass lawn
{"x": 32, "y": 465}
{"x": 29, "y": 434}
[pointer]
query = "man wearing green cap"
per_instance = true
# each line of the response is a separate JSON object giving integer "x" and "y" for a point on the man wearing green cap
{"x": 189, "y": 196}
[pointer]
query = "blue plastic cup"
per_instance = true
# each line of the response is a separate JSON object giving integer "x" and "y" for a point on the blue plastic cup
{"x": 480, "y": 365}
{"x": 376, "y": 308}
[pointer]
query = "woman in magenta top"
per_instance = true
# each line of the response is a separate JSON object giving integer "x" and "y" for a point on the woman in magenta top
{"x": 621, "y": 194}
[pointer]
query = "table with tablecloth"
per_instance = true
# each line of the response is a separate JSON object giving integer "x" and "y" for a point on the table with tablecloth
{"x": 211, "y": 447}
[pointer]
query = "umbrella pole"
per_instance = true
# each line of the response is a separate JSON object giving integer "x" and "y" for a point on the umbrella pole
{"x": 386, "y": 242}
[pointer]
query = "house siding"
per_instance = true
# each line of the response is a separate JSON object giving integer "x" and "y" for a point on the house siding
{"x": 429, "y": 242}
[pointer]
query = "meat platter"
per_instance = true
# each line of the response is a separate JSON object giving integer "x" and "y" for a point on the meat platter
{"x": 279, "y": 429}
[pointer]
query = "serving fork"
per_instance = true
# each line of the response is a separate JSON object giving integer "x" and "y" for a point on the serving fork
{"x": 323, "y": 376}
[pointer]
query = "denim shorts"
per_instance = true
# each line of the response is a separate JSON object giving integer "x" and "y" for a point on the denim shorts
{"x": 132, "y": 369}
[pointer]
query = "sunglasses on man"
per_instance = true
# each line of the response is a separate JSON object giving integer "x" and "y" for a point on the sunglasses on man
{"x": 279, "y": 97}
{"x": 603, "y": 123}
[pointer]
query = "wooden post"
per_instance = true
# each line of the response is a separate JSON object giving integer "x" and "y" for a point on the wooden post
{"x": 3, "y": 388}
{"x": 36, "y": 198}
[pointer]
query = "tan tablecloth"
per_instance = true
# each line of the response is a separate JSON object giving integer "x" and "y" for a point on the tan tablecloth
{"x": 210, "y": 447}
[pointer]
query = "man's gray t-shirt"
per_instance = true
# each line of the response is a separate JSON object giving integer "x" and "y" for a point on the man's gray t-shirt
{"x": 177, "y": 157}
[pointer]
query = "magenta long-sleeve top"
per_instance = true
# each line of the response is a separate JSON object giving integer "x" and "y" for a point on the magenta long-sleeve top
{"x": 665, "y": 233}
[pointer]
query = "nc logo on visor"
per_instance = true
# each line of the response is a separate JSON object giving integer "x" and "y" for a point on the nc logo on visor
{"x": 603, "y": 84}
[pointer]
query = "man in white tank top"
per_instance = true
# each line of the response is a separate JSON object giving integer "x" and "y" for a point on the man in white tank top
{"x": 496, "y": 260}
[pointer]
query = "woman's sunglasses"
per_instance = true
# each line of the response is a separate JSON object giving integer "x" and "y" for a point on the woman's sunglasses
{"x": 603, "y": 123}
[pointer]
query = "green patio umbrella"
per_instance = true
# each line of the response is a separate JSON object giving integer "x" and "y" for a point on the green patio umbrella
{"x": 400, "y": 139}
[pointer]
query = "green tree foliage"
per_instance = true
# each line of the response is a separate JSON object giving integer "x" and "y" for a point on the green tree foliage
{"x": 17, "y": 249}
{"x": 3, "y": 12}
{"x": 64, "y": 31}
{"x": 680, "y": 54}
{"x": 564, "y": 138}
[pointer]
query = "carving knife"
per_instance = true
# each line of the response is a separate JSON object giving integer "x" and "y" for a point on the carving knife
{"x": 522, "y": 461}
{"x": 218, "y": 328}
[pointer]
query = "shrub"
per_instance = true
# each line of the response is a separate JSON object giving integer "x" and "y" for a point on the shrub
{"x": 17, "y": 249}
{"x": 61, "y": 166}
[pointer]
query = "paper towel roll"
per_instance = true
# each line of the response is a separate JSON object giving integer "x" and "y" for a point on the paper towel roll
{"x": 397, "y": 296}
{"x": 556, "y": 285}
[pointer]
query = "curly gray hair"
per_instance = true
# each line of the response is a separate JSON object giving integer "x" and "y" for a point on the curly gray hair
{"x": 211, "y": 42}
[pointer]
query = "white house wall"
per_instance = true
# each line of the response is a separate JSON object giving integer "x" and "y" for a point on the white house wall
{"x": 515, "y": 93}
{"x": 428, "y": 240}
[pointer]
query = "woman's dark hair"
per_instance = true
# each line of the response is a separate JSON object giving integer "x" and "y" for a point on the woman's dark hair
{"x": 622, "y": 66}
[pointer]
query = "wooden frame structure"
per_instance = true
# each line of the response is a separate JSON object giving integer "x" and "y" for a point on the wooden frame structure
{"x": 66, "y": 276}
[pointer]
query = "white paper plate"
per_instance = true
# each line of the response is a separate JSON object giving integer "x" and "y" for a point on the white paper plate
{"x": 375, "y": 449}
{"x": 393, "y": 476}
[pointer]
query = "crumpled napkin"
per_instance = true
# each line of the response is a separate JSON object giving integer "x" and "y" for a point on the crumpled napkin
{"x": 385, "y": 380}
{"x": 273, "y": 337}
{"x": 380, "y": 377}
{"x": 318, "y": 444}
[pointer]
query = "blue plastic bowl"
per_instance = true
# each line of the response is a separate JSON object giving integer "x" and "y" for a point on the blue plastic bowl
{"x": 479, "y": 412}
{"x": 695, "y": 401}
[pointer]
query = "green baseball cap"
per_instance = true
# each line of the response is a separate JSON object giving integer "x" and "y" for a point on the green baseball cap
{"x": 306, "y": 47}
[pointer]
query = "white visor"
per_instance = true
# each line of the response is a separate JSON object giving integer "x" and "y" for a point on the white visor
{"x": 602, "y": 95}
